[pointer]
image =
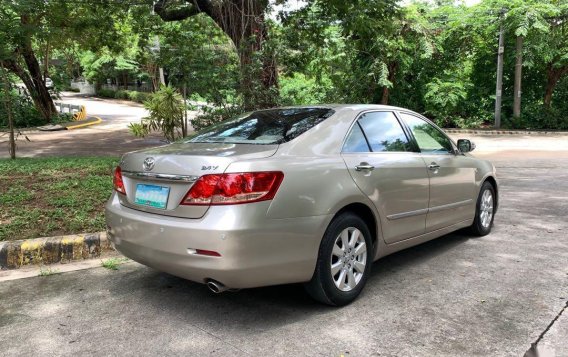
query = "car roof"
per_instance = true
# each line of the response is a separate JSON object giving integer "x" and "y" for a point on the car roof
{"x": 355, "y": 107}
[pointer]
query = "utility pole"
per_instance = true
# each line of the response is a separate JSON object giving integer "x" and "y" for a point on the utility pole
{"x": 498, "y": 90}
{"x": 518, "y": 78}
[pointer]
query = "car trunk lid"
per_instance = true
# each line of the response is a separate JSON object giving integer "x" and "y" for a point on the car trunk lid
{"x": 156, "y": 180}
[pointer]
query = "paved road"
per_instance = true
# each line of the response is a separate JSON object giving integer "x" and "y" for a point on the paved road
{"x": 455, "y": 296}
{"x": 111, "y": 137}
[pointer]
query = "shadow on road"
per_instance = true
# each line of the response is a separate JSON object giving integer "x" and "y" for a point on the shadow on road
{"x": 262, "y": 308}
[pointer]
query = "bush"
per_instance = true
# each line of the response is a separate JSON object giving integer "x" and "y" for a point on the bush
{"x": 139, "y": 97}
{"x": 62, "y": 118}
{"x": 166, "y": 115}
{"x": 144, "y": 97}
{"x": 106, "y": 93}
{"x": 537, "y": 116}
{"x": 23, "y": 111}
{"x": 121, "y": 94}
{"x": 132, "y": 95}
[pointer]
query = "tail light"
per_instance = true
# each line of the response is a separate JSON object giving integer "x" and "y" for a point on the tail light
{"x": 234, "y": 188}
{"x": 117, "y": 181}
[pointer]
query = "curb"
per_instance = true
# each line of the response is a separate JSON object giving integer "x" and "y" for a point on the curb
{"x": 503, "y": 132}
{"x": 92, "y": 120}
{"x": 49, "y": 250}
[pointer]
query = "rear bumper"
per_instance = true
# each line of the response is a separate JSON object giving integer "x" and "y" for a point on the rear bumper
{"x": 255, "y": 250}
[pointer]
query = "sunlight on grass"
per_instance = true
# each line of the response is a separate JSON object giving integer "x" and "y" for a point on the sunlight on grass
{"x": 53, "y": 196}
{"x": 113, "y": 263}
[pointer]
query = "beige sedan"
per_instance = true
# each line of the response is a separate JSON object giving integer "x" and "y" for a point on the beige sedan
{"x": 300, "y": 194}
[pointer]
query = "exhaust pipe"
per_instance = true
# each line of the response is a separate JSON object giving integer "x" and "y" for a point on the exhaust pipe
{"x": 216, "y": 286}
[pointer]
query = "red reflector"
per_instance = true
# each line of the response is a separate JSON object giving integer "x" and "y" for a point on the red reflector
{"x": 117, "y": 181}
{"x": 207, "y": 252}
{"x": 234, "y": 188}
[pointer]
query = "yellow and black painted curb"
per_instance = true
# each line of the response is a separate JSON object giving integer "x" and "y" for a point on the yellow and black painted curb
{"x": 82, "y": 123}
{"x": 92, "y": 120}
{"x": 49, "y": 250}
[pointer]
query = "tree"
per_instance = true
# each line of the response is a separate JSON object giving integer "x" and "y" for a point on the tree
{"x": 244, "y": 23}
{"x": 379, "y": 42}
{"x": 32, "y": 26}
{"x": 20, "y": 21}
{"x": 198, "y": 56}
{"x": 555, "y": 50}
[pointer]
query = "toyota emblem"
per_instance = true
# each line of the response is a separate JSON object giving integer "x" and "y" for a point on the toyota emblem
{"x": 148, "y": 163}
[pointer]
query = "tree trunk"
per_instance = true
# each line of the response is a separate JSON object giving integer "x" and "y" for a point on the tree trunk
{"x": 8, "y": 107}
{"x": 14, "y": 67}
{"x": 553, "y": 75}
{"x": 244, "y": 22}
{"x": 385, "y": 96}
{"x": 38, "y": 90}
{"x": 46, "y": 61}
{"x": 518, "y": 78}
{"x": 392, "y": 67}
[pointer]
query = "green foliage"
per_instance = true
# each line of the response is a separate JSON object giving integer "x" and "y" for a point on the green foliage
{"x": 132, "y": 95}
{"x": 199, "y": 56}
{"x": 43, "y": 271}
{"x": 113, "y": 263}
{"x": 139, "y": 97}
{"x": 34, "y": 29}
{"x": 166, "y": 109}
{"x": 24, "y": 112}
{"x": 443, "y": 100}
{"x": 436, "y": 58}
{"x": 121, "y": 94}
{"x": 213, "y": 115}
{"x": 106, "y": 93}
{"x": 300, "y": 89}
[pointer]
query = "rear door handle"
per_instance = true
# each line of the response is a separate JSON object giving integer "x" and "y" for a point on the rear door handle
{"x": 433, "y": 166}
{"x": 364, "y": 166}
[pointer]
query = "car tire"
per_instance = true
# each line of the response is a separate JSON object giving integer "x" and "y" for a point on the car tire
{"x": 485, "y": 211}
{"x": 342, "y": 269}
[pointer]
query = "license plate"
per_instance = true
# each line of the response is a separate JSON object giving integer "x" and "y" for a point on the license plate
{"x": 151, "y": 195}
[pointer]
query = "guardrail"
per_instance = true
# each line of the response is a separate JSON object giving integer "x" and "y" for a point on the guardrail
{"x": 79, "y": 111}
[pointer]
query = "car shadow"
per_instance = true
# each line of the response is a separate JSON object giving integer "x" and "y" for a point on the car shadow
{"x": 418, "y": 254}
{"x": 264, "y": 308}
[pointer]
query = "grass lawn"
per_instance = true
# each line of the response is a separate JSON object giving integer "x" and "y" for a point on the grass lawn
{"x": 53, "y": 196}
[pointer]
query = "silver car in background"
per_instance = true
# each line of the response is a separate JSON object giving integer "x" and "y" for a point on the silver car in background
{"x": 301, "y": 194}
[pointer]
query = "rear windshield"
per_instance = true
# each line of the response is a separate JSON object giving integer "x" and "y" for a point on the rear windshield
{"x": 272, "y": 126}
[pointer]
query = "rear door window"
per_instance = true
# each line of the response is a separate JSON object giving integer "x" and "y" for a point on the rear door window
{"x": 356, "y": 141}
{"x": 383, "y": 132}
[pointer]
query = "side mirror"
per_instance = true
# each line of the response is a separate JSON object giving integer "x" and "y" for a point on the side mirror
{"x": 464, "y": 145}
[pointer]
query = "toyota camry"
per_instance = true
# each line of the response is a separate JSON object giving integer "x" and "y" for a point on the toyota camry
{"x": 309, "y": 195}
